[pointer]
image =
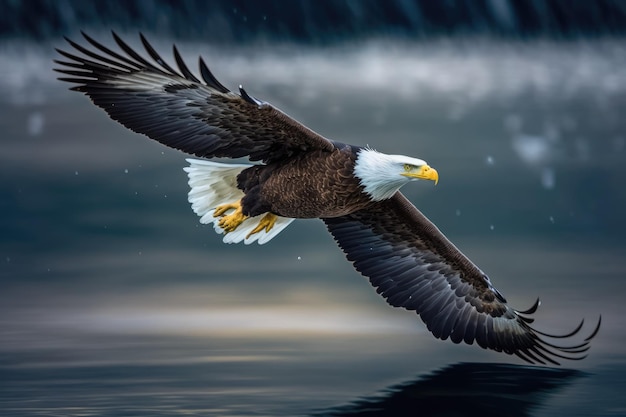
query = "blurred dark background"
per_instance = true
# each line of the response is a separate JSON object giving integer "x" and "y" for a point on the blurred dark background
{"x": 321, "y": 21}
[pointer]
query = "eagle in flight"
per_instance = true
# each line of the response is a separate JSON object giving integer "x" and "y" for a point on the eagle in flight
{"x": 299, "y": 174}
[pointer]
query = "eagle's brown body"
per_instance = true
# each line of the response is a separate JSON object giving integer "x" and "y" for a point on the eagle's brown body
{"x": 318, "y": 184}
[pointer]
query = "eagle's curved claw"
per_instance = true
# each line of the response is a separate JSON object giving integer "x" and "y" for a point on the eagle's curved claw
{"x": 230, "y": 222}
{"x": 266, "y": 223}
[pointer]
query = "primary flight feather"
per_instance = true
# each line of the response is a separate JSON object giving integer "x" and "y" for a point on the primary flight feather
{"x": 353, "y": 189}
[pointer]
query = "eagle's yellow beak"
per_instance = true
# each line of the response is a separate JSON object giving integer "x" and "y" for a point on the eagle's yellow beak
{"x": 424, "y": 172}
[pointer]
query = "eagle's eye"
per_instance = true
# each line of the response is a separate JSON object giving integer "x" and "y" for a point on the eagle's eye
{"x": 408, "y": 167}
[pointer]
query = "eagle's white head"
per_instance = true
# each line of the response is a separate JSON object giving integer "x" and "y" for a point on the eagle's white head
{"x": 382, "y": 175}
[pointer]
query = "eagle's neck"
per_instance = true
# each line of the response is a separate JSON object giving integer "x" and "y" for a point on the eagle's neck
{"x": 378, "y": 174}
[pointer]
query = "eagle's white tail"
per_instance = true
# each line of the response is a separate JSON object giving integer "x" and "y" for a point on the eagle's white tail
{"x": 213, "y": 184}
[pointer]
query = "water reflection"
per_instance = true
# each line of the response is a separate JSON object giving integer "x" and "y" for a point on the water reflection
{"x": 465, "y": 389}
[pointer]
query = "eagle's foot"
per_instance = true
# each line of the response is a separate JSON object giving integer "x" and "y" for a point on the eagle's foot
{"x": 230, "y": 222}
{"x": 266, "y": 223}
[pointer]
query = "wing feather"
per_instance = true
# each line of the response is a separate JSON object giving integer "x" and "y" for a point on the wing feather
{"x": 413, "y": 265}
{"x": 183, "y": 67}
{"x": 176, "y": 108}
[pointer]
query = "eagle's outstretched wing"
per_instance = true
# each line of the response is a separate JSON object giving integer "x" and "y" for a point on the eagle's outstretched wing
{"x": 413, "y": 265}
{"x": 174, "y": 107}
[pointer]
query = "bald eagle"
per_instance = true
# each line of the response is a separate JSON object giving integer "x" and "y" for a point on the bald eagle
{"x": 299, "y": 174}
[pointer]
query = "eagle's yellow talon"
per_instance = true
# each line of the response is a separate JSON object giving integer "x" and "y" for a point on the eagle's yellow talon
{"x": 267, "y": 222}
{"x": 220, "y": 210}
{"x": 231, "y": 221}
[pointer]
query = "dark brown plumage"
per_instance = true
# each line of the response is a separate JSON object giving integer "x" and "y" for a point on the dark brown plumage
{"x": 315, "y": 184}
{"x": 303, "y": 175}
